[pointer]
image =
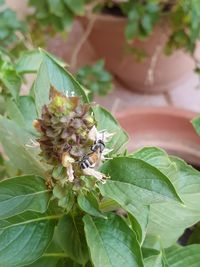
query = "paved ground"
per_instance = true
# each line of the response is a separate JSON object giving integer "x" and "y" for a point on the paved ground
{"x": 185, "y": 96}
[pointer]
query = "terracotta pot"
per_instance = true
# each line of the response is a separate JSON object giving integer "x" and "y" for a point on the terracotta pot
{"x": 107, "y": 38}
{"x": 169, "y": 128}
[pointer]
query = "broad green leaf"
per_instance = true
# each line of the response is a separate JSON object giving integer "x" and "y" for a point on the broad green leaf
{"x": 133, "y": 179}
{"x": 23, "y": 193}
{"x": 52, "y": 73}
{"x": 2, "y": 104}
{"x": 112, "y": 243}
{"x": 152, "y": 257}
{"x": 65, "y": 197}
{"x": 56, "y": 7}
{"x": 25, "y": 237}
{"x": 76, "y": 6}
{"x": 29, "y": 62}
{"x": 153, "y": 261}
{"x": 55, "y": 257}
{"x": 105, "y": 121}
{"x": 52, "y": 257}
{"x": 14, "y": 113}
{"x": 28, "y": 110}
{"x": 70, "y": 237}
{"x": 173, "y": 218}
{"x": 134, "y": 184}
{"x": 152, "y": 242}
{"x": 187, "y": 181}
{"x": 14, "y": 140}
{"x": 50, "y": 260}
{"x": 23, "y": 113}
{"x": 12, "y": 81}
{"x": 89, "y": 204}
{"x": 158, "y": 158}
{"x": 196, "y": 124}
{"x": 184, "y": 256}
{"x": 139, "y": 217}
{"x": 95, "y": 79}
{"x": 61, "y": 78}
{"x": 41, "y": 87}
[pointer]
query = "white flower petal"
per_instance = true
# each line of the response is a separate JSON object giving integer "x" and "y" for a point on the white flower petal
{"x": 104, "y": 136}
{"x": 98, "y": 175}
{"x": 70, "y": 172}
{"x": 93, "y": 133}
{"x": 66, "y": 159}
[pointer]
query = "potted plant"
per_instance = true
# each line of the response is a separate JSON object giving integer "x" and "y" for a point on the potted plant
{"x": 71, "y": 194}
{"x": 148, "y": 45}
{"x": 16, "y": 37}
{"x": 162, "y": 35}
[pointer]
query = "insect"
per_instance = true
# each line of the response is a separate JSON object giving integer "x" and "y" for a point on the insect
{"x": 91, "y": 160}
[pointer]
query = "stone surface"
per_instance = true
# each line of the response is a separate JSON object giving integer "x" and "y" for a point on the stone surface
{"x": 186, "y": 95}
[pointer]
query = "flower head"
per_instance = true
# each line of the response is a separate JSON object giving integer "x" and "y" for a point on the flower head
{"x": 70, "y": 142}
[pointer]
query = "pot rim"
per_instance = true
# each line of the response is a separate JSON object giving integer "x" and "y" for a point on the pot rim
{"x": 178, "y": 138}
{"x": 104, "y": 17}
{"x": 172, "y": 111}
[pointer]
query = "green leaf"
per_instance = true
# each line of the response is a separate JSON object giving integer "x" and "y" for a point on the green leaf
{"x": 76, "y": 6}
{"x": 54, "y": 256}
{"x": 95, "y": 78}
{"x": 65, "y": 197}
{"x": 52, "y": 73}
{"x": 41, "y": 87}
{"x": 196, "y": 124}
{"x": 135, "y": 184}
{"x": 12, "y": 81}
{"x": 133, "y": 179}
{"x": 153, "y": 261}
{"x": 29, "y": 62}
{"x": 139, "y": 217}
{"x": 173, "y": 218}
{"x": 50, "y": 260}
{"x": 90, "y": 205}
{"x": 158, "y": 158}
{"x": 25, "y": 237}
{"x": 14, "y": 112}
{"x": 112, "y": 243}
{"x": 22, "y": 113}
{"x": 184, "y": 256}
{"x": 70, "y": 237}
{"x": 23, "y": 193}
{"x": 105, "y": 121}
{"x": 14, "y": 140}
{"x": 56, "y": 7}
{"x": 152, "y": 257}
{"x": 28, "y": 110}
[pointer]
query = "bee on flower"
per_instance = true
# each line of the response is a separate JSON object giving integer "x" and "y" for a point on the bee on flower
{"x": 69, "y": 138}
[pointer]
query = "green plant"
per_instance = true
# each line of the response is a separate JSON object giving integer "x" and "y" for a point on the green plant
{"x": 143, "y": 16}
{"x": 96, "y": 79}
{"x": 10, "y": 79}
{"x": 11, "y": 29}
{"x": 56, "y": 15}
{"x": 129, "y": 208}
